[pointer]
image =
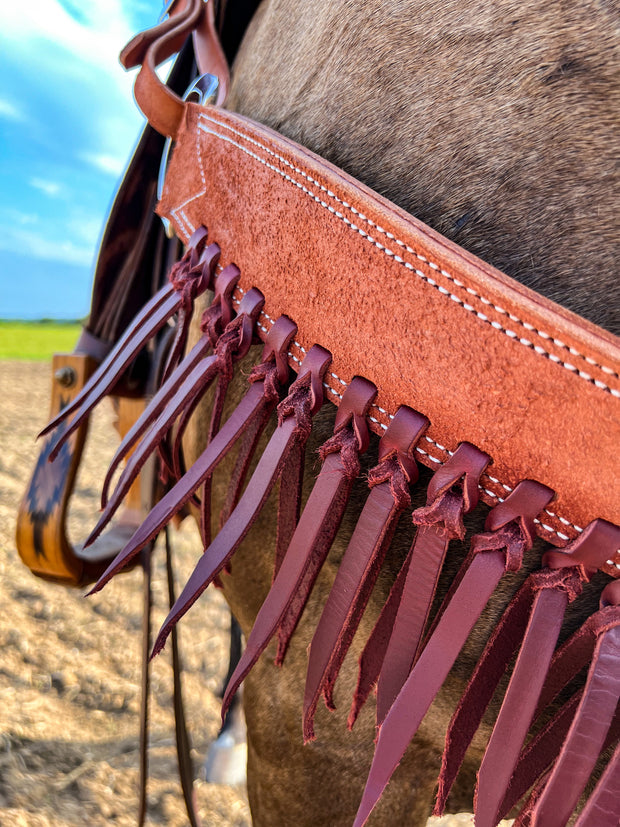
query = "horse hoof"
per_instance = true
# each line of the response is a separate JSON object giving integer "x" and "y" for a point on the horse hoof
{"x": 227, "y": 756}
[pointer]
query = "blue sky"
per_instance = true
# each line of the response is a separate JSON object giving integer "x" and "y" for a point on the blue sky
{"x": 68, "y": 124}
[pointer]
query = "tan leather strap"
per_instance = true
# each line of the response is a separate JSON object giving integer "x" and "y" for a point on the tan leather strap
{"x": 163, "y": 108}
{"x": 486, "y": 359}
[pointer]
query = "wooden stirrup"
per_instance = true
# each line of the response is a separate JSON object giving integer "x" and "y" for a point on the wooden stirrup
{"x": 41, "y": 536}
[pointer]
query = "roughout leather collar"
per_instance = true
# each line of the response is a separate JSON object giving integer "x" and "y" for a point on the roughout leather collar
{"x": 487, "y": 360}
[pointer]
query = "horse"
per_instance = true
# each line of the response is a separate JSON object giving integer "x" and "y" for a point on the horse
{"x": 495, "y": 126}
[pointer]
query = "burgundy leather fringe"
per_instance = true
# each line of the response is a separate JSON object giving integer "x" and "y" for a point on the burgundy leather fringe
{"x": 258, "y": 403}
{"x": 452, "y": 492}
{"x": 294, "y": 425}
{"x": 544, "y": 747}
{"x": 232, "y": 345}
{"x": 215, "y": 318}
{"x": 551, "y": 591}
{"x": 218, "y": 318}
{"x": 317, "y": 526}
{"x": 189, "y": 278}
{"x": 152, "y": 411}
{"x": 593, "y": 718}
{"x": 532, "y": 620}
{"x": 603, "y": 807}
{"x": 389, "y": 496}
{"x": 510, "y": 532}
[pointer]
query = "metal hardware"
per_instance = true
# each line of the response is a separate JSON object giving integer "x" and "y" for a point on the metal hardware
{"x": 66, "y": 377}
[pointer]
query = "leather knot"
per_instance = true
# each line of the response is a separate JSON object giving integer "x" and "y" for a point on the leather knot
{"x": 447, "y": 510}
{"x": 298, "y": 403}
{"x": 509, "y": 537}
{"x": 187, "y": 280}
{"x": 345, "y": 442}
{"x": 227, "y": 344}
{"x": 391, "y": 470}
{"x": 210, "y": 323}
{"x": 569, "y": 580}
{"x": 267, "y": 372}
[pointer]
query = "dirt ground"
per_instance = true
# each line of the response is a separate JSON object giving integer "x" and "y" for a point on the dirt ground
{"x": 70, "y": 667}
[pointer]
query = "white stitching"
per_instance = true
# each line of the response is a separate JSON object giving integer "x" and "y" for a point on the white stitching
{"x": 419, "y": 450}
{"x": 388, "y": 252}
{"x": 431, "y": 281}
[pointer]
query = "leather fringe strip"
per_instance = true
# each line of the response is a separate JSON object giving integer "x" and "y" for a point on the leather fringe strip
{"x": 532, "y": 622}
{"x": 215, "y": 318}
{"x": 408, "y": 654}
{"x": 510, "y": 532}
{"x": 187, "y": 389}
{"x": 389, "y": 497}
{"x": 305, "y": 398}
{"x": 189, "y": 278}
{"x": 265, "y": 381}
{"x": 396, "y": 640}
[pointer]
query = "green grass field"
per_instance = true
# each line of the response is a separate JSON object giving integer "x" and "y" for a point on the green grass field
{"x": 37, "y": 341}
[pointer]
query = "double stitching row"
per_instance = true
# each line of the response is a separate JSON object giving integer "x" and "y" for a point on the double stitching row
{"x": 428, "y": 439}
{"x": 541, "y": 351}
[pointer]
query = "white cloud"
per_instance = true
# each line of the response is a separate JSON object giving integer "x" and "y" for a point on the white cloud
{"x": 113, "y": 165}
{"x": 51, "y": 188}
{"x": 11, "y": 112}
{"x": 77, "y": 60}
{"x": 18, "y": 217}
{"x": 19, "y": 240}
{"x": 94, "y": 39}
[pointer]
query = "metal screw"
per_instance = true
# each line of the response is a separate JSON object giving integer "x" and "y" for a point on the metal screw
{"x": 66, "y": 377}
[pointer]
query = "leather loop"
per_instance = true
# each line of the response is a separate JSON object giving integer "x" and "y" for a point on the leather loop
{"x": 353, "y": 410}
{"x": 163, "y": 109}
{"x": 362, "y": 561}
{"x": 225, "y": 285}
{"x": 522, "y": 506}
{"x": 400, "y": 438}
{"x": 291, "y": 433}
{"x": 313, "y": 536}
{"x": 466, "y": 466}
{"x": 597, "y": 544}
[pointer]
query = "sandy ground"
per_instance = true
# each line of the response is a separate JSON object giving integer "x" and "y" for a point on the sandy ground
{"x": 70, "y": 667}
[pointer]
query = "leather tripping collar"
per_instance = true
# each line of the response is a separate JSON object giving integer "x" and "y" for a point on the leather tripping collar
{"x": 518, "y": 402}
{"x": 487, "y": 360}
